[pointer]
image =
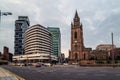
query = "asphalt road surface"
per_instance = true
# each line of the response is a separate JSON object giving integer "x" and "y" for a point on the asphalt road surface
{"x": 66, "y": 73}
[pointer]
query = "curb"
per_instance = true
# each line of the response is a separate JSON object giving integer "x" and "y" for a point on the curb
{"x": 13, "y": 74}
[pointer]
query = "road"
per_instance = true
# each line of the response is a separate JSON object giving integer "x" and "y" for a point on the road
{"x": 66, "y": 73}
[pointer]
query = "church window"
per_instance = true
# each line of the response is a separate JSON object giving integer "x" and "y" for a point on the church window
{"x": 75, "y": 35}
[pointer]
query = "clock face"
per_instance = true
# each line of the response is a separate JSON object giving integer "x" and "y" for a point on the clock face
{"x": 75, "y": 41}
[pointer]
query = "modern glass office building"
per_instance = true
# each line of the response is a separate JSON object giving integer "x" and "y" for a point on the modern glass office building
{"x": 21, "y": 26}
{"x": 56, "y": 39}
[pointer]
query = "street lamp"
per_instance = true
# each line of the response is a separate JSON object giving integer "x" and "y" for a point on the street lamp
{"x": 4, "y": 14}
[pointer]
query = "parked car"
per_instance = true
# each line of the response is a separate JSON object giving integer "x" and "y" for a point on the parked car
{"x": 38, "y": 64}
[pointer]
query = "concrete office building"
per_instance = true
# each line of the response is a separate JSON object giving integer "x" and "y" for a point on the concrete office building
{"x": 38, "y": 42}
{"x": 106, "y": 47}
{"x": 21, "y": 26}
{"x": 56, "y": 40}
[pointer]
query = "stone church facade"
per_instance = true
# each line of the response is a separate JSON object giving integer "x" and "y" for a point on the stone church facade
{"x": 78, "y": 52}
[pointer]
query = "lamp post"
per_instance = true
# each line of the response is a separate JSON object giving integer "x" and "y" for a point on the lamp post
{"x": 4, "y": 14}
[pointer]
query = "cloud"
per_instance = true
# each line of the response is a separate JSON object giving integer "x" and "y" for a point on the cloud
{"x": 99, "y": 19}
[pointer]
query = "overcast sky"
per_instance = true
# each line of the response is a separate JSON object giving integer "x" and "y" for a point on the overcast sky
{"x": 99, "y": 19}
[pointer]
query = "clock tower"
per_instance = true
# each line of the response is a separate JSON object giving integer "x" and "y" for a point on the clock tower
{"x": 77, "y": 45}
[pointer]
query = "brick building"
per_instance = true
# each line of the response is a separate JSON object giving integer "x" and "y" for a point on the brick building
{"x": 99, "y": 55}
{"x": 6, "y": 55}
{"x": 116, "y": 52}
{"x": 105, "y": 52}
{"x": 6, "y": 52}
{"x": 1, "y": 55}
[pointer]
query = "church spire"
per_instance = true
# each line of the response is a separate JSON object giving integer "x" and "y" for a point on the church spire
{"x": 76, "y": 14}
{"x": 76, "y": 20}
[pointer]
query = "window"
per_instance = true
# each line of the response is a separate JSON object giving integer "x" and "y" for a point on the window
{"x": 75, "y": 35}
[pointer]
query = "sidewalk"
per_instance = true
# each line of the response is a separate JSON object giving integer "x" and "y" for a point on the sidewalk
{"x": 7, "y": 75}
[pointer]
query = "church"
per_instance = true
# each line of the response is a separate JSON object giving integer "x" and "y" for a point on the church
{"x": 78, "y": 52}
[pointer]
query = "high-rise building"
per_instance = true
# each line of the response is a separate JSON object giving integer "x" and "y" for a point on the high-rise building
{"x": 56, "y": 39}
{"x": 21, "y": 26}
{"x": 78, "y": 51}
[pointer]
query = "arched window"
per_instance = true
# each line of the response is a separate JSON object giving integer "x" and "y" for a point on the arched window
{"x": 75, "y": 35}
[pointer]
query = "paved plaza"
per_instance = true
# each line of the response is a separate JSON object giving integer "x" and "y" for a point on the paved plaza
{"x": 6, "y": 75}
{"x": 66, "y": 73}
